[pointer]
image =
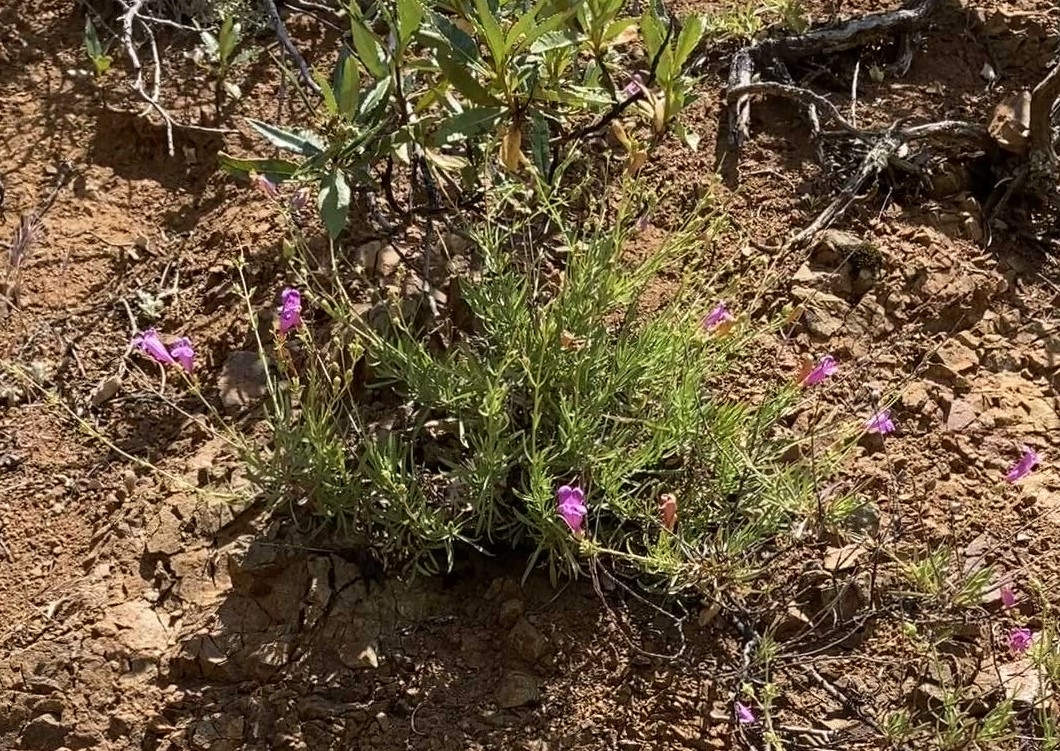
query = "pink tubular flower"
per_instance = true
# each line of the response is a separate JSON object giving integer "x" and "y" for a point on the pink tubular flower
{"x": 291, "y": 311}
{"x": 264, "y": 184}
{"x": 1019, "y": 640}
{"x": 880, "y": 423}
{"x": 822, "y": 370}
{"x": 1023, "y": 467}
{"x": 715, "y": 318}
{"x": 149, "y": 343}
{"x": 570, "y": 502}
{"x": 184, "y": 353}
{"x": 1008, "y": 597}
{"x": 744, "y": 714}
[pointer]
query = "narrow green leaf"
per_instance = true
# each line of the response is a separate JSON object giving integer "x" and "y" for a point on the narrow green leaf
{"x": 228, "y": 39}
{"x": 327, "y": 93}
{"x": 347, "y": 85}
{"x": 539, "y": 143}
{"x": 333, "y": 201}
{"x": 470, "y": 122}
{"x": 463, "y": 82}
{"x": 492, "y": 31}
{"x": 410, "y": 15}
{"x": 688, "y": 39}
{"x": 277, "y": 170}
{"x": 368, "y": 47}
{"x": 92, "y": 45}
{"x": 301, "y": 142}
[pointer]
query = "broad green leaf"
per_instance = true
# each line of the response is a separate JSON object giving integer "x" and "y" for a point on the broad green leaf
{"x": 301, "y": 142}
{"x": 333, "y": 201}
{"x": 375, "y": 98}
{"x": 347, "y": 86}
{"x": 470, "y": 122}
{"x": 616, "y": 28}
{"x": 492, "y": 31}
{"x": 549, "y": 25}
{"x": 691, "y": 34}
{"x": 410, "y": 14}
{"x": 524, "y": 24}
{"x": 277, "y": 170}
{"x": 210, "y": 45}
{"x": 652, "y": 32}
{"x": 553, "y": 40}
{"x": 368, "y": 47}
{"x": 462, "y": 80}
{"x": 445, "y": 36}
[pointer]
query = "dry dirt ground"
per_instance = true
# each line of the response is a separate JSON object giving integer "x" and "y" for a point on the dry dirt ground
{"x": 136, "y": 613}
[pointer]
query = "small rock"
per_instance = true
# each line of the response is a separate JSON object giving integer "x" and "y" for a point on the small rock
{"x": 842, "y": 559}
{"x": 956, "y": 357}
{"x": 527, "y": 641}
{"x": 823, "y": 312}
{"x": 107, "y": 389}
{"x": 517, "y": 690}
{"x": 792, "y": 622}
{"x": 511, "y": 611}
{"x": 368, "y": 657}
{"x": 383, "y": 720}
{"x": 44, "y": 733}
{"x": 961, "y": 414}
{"x": 243, "y": 381}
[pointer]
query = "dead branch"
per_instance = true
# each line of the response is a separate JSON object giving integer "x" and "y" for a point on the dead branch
{"x": 774, "y": 54}
{"x": 130, "y": 19}
{"x": 1043, "y": 99}
{"x": 285, "y": 41}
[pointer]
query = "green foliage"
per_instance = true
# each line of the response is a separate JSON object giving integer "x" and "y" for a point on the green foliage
{"x": 449, "y": 84}
{"x": 101, "y": 61}
{"x": 554, "y": 383}
{"x": 221, "y": 58}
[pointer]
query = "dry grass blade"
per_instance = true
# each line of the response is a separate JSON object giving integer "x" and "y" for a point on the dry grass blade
{"x": 26, "y": 236}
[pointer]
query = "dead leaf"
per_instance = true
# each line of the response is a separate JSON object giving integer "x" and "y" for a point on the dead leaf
{"x": 637, "y": 160}
{"x": 630, "y": 35}
{"x": 619, "y": 132}
{"x": 511, "y": 148}
{"x": 567, "y": 340}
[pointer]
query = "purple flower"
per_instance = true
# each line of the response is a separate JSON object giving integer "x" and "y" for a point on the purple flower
{"x": 264, "y": 184}
{"x": 825, "y": 368}
{"x": 880, "y": 423}
{"x": 717, "y": 317}
{"x": 570, "y": 502}
{"x": 298, "y": 199}
{"x": 184, "y": 353}
{"x": 291, "y": 312}
{"x": 1019, "y": 639}
{"x": 744, "y": 713}
{"x": 149, "y": 343}
{"x": 1023, "y": 467}
{"x": 1008, "y": 597}
{"x": 636, "y": 83}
